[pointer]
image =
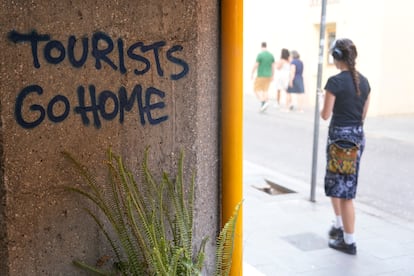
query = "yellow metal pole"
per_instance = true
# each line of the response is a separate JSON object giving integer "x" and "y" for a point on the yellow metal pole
{"x": 232, "y": 120}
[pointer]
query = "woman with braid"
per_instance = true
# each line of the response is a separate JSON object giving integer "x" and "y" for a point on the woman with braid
{"x": 347, "y": 100}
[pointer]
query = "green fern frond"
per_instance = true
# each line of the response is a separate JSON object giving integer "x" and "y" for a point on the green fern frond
{"x": 175, "y": 260}
{"x": 183, "y": 230}
{"x": 93, "y": 270}
{"x": 84, "y": 172}
{"x": 151, "y": 221}
{"x": 115, "y": 206}
{"x": 224, "y": 250}
{"x": 199, "y": 260}
{"x": 106, "y": 234}
{"x": 113, "y": 215}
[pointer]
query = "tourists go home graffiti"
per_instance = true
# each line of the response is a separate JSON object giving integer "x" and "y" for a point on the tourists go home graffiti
{"x": 54, "y": 52}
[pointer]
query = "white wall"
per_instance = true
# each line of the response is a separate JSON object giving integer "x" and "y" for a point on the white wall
{"x": 397, "y": 58}
{"x": 282, "y": 24}
{"x": 381, "y": 29}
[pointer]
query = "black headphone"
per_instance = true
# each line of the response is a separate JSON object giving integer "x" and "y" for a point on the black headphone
{"x": 337, "y": 53}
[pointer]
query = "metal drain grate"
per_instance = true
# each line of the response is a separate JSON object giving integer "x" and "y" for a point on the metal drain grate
{"x": 273, "y": 188}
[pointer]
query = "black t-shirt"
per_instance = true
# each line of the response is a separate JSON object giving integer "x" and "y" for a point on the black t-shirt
{"x": 348, "y": 107}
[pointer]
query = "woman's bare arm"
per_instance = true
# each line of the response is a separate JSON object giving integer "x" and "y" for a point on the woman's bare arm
{"x": 328, "y": 105}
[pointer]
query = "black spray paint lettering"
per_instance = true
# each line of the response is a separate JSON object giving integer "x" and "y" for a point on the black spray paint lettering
{"x": 54, "y": 52}
{"x": 99, "y": 47}
{"x": 96, "y": 108}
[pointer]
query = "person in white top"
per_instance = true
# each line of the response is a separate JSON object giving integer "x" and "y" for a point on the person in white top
{"x": 283, "y": 67}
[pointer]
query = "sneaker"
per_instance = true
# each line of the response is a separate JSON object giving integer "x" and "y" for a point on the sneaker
{"x": 336, "y": 233}
{"x": 340, "y": 245}
{"x": 264, "y": 106}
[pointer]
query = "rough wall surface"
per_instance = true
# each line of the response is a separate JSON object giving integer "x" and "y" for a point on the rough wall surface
{"x": 81, "y": 76}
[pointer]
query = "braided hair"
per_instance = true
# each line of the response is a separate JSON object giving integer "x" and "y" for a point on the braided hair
{"x": 345, "y": 51}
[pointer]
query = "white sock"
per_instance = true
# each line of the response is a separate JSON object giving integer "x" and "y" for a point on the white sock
{"x": 349, "y": 238}
{"x": 338, "y": 222}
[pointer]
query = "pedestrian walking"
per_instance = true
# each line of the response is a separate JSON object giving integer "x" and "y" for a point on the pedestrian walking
{"x": 347, "y": 100}
{"x": 296, "y": 87}
{"x": 265, "y": 67}
{"x": 282, "y": 82}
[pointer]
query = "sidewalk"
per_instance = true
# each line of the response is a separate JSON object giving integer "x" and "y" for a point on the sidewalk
{"x": 286, "y": 234}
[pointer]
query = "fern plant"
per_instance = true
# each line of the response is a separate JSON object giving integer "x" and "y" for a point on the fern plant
{"x": 152, "y": 222}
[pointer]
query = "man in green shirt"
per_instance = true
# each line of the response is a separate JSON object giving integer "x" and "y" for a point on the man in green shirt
{"x": 265, "y": 66}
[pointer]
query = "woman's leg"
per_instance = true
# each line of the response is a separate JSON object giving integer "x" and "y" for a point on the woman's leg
{"x": 288, "y": 99}
{"x": 261, "y": 96}
{"x": 346, "y": 243}
{"x": 336, "y": 205}
{"x": 300, "y": 102}
{"x": 348, "y": 215}
{"x": 337, "y": 210}
{"x": 278, "y": 97}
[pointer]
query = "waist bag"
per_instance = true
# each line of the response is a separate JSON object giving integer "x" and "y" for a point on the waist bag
{"x": 342, "y": 157}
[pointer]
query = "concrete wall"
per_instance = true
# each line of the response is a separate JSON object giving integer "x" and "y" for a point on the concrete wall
{"x": 53, "y": 98}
